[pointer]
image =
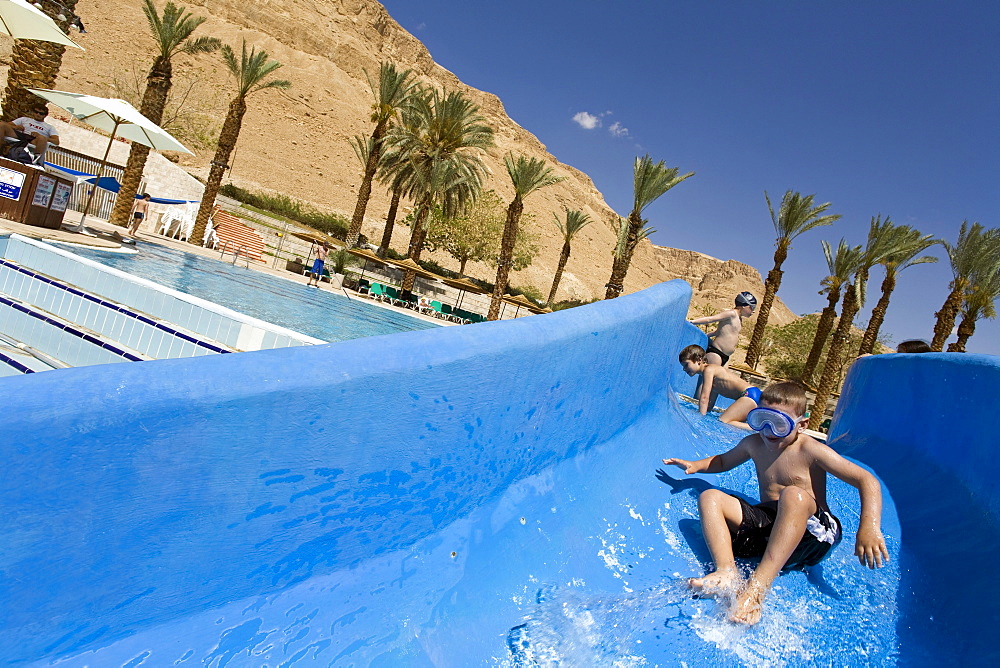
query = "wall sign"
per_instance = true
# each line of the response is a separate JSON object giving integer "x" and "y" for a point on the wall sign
{"x": 11, "y": 183}
{"x": 43, "y": 191}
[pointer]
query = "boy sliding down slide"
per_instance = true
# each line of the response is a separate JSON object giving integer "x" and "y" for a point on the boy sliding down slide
{"x": 715, "y": 380}
{"x": 791, "y": 528}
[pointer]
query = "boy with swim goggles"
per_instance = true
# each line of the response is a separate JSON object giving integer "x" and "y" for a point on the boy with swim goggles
{"x": 791, "y": 528}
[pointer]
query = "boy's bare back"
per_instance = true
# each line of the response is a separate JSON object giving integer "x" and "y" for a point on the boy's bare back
{"x": 727, "y": 383}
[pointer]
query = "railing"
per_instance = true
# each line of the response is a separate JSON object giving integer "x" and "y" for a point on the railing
{"x": 104, "y": 201}
{"x": 236, "y": 250}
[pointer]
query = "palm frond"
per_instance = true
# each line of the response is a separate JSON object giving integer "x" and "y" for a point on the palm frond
{"x": 650, "y": 181}
{"x": 529, "y": 174}
{"x": 797, "y": 215}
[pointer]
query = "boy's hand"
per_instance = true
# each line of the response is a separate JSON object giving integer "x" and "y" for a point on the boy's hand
{"x": 689, "y": 467}
{"x": 869, "y": 548}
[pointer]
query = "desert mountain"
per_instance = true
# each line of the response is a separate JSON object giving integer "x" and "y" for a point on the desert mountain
{"x": 297, "y": 141}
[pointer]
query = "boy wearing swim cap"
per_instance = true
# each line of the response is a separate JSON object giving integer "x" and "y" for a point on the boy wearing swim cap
{"x": 792, "y": 528}
{"x": 714, "y": 380}
{"x": 722, "y": 342}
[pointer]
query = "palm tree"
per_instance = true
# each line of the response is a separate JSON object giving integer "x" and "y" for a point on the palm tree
{"x": 975, "y": 247}
{"x": 172, "y": 33}
{"x": 649, "y": 183}
{"x": 391, "y": 93}
{"x": 527, "y": 175}
{"x": 905, "y": 244}
{"x": 390, "y": 222}
{"x": 575, "y": 221}
{"x": 35, "y": 64}
{"x": 435, "y": 158}
{"x": 250, "y": 72}
{"x": 842, "y": 264}
{"x": 876, "y": 249}
{"x": 795, "y": 216}
{"x": 979, "y": 303}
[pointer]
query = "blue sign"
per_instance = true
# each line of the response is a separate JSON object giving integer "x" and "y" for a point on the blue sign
{"x": 11, "y": 183}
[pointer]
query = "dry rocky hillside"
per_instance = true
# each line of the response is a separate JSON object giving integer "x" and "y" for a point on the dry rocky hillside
{"x": 297, "y": 141}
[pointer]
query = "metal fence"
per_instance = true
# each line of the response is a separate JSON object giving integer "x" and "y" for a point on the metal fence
{"x": 104, "y": 201}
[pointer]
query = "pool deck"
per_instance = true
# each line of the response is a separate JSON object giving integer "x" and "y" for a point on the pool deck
{"x": 105, "y": 239}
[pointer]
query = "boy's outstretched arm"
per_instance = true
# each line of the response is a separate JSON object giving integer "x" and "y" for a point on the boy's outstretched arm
{"x": 714, "y": 464}
{"x": 708, "y": 319}
{"x": 869, "y": 547}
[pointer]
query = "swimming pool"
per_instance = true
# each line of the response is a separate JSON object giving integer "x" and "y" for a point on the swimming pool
{"x": 320, "y": 313}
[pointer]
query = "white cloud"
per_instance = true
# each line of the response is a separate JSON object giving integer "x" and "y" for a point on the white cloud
{"x": 420, "y": 26}
{"x": 587, "y": 121}
{"x": 618, "y": 130}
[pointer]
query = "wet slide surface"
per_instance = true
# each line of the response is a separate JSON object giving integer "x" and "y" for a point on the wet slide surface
{"x": 485, "y": 495}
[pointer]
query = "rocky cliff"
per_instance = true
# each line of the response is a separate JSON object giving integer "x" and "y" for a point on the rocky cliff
{"x": 297, "y": 141}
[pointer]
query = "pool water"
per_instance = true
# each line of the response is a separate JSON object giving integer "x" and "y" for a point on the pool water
{"x": 320, "y": 313}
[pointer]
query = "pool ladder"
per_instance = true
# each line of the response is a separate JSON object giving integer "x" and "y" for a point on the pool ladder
{"x": 228, "y": 247}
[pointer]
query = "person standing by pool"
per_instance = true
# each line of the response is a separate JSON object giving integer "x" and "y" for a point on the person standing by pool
{"x": 791, "y": 528}
{"x": 322, "y": 249}
{"x": 140, "y": 211}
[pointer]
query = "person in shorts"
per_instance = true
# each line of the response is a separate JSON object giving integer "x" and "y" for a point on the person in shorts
{"x": 792, "y": 527}
{"x": 140, "y": 211}
{"x": 322, "y": 249}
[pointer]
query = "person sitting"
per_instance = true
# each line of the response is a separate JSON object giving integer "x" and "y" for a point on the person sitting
{"x": 31, "y": 132}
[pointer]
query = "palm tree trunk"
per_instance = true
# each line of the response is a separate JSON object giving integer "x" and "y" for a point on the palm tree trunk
{"x": 946, "y": 316}
{"x": 227, "y": 142}
{"x": 506, "y": 255}
{"x": 878, "y": 314}
{"x": 390, "y": 222}
{"x": 619, "y": 268}
{"x": 965, "y": 331}
{"x": 365, "y": 190}
{"x": 834, "y": 356}
{"x": 771, "y": 286}
{"x": 417, "y": 236}
{"x": 34, "y": 64}
{"x": 563, "y": 259}
{"x": 823, "y": 329}
{"x": 154, "y": 100}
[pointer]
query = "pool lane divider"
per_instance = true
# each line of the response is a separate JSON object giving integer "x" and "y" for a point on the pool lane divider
{"x": 108, "y": 305}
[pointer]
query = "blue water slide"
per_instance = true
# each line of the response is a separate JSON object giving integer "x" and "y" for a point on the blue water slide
{"x": 479, "y": 495}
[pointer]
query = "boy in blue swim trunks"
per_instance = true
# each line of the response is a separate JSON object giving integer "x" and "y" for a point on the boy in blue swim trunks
{"x": 715, "y": 380}
{"x": 792, "y": 527}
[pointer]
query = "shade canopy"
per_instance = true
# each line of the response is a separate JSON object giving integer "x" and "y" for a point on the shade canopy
{"x": 366, "y": 254}
{"x": 22, "y": 20}
{"x": 464, "y": 284}
{"x": 406, "y": 264}
{"x": 312, "y": 236}
{"x": 519, "y": 300}
{"x": 116, "y": 117}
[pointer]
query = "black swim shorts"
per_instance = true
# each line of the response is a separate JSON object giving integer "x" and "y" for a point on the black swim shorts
{"x": 822, "y": 533}
{"x": 712, "y": 349}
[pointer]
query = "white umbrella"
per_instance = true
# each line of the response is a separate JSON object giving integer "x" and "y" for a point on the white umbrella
{"x": 21, "y": 20}
{"x": 118, "y": 118}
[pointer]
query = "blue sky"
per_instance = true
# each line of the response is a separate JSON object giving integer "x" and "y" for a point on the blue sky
{"x": 888, "y": 108}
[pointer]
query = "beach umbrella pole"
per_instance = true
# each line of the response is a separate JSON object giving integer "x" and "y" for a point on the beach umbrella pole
{"x": 82, "y": 228}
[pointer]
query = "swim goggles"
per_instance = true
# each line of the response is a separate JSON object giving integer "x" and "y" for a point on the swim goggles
{"x": 778, "y": 423}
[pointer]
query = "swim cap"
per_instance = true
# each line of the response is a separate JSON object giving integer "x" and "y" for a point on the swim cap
{"x": 746, "y": 299}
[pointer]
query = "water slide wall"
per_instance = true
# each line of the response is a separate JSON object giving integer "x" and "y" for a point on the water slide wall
{"x": 482, "y": 495}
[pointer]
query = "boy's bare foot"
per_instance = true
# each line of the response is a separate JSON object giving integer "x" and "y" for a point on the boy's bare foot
{"x": 719, "y": 583}
{"x": 747, "y": 607}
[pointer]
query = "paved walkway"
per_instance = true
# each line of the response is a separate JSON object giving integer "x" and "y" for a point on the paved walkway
{"x": 108, "y": 236}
